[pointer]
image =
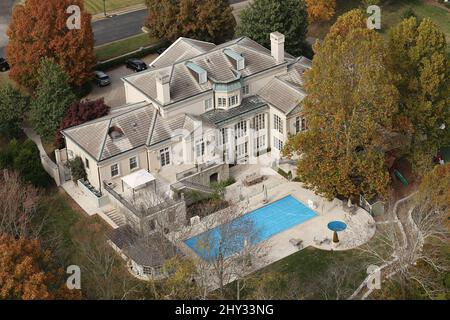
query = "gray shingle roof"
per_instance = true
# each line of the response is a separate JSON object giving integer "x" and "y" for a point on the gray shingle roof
{"x": 141, "y": 125}
{"x": 282, "y": 95}
{"x": 249, "y": 104}
{"x": 150, "y": 251}
{"x": 182, "y": 49}
{"x": 219, "y": 67}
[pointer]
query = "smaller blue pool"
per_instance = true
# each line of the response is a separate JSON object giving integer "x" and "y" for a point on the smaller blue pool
{"x": 252, "y": 228}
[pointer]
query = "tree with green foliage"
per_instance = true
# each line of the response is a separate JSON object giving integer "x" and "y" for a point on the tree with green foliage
{"x": 420, "y": 63}
{"x": 76, "y": 166}
{"x": 53, "y": 96}
{"x": 26, "y": 160}
{"x": 349, "y": 109}
{"x": 206, "y": 20}
{"x": 287, "y": 17}
{"x": 12, "y": 109}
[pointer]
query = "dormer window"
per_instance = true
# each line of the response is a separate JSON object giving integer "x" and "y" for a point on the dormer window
{"x": 115, "y": 132}
{"x": 237, "y": 59}
{"x": 200, "y": 73}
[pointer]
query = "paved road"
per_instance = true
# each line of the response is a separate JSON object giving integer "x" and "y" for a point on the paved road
{"x": 5, "y": 13}
{"x": 118, "y": 27}
{"x": 105, "y": 30}
{"x": 127, "y": 25}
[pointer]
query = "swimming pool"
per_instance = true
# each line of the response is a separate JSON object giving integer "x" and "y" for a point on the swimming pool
{"x": 253, "y": 227}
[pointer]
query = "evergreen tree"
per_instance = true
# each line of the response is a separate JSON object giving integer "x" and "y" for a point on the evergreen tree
{"x": 12, "y": 108}
{"x": 53, "y": 96}
{"x": 288, "y": 17}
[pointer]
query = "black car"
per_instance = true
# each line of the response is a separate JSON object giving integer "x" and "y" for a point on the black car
{"x": 136, "y": 65}
{"x": 4, "y": 66}
{"x": 101, "y": 78}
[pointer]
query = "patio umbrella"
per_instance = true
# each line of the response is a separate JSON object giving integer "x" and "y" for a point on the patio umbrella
{"x": 264, "y": 193}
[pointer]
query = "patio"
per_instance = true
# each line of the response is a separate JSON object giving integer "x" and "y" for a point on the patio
{"x": 314, "y": 232}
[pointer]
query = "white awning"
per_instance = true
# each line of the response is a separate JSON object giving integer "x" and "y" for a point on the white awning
{"x": 139, "y": 178}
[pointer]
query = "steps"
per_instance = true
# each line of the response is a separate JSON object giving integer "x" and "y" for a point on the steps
{"x": 115, "y": 217}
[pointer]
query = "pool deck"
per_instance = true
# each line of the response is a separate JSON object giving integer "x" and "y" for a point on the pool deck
{"x": 313, "y": 232}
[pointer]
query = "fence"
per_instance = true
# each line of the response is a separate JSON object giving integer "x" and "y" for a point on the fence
{"x": 51, "y": 168}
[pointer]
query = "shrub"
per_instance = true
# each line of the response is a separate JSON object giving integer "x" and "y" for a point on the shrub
{"x": 77, "y": 168}
{"x": 409, "y": 13}
{"x": 25, "y": 159}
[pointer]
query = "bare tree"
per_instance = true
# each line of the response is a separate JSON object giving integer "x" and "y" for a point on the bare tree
{"x": 415, "y": 239}
{"x": 18, "y": 205}
{"x": 228, "y": 249}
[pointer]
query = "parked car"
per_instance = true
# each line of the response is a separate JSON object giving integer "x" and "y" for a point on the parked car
{"x": 101, "y": 78}
{"x": 4, "y": 66}
{"x": 136, "y": 65}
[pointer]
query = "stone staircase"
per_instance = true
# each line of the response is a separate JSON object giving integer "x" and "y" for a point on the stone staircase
{"x": 113, "y": 217}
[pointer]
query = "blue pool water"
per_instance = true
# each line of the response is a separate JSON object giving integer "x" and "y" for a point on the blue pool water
{"x": 253, "y": 227}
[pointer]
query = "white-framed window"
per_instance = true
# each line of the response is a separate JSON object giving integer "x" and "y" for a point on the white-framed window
{"x": 300, "y": 124}
{"x": 277, "y": 143}
{"x": 200, "y": 148}
{"x": 164, "y": 156}
{"x": 233, "y": 100}
{"x": 133, "y": 163}
{"x": 240, "y": 129}
{"x": 277, "y": 123}
{"x": 224, "y": 135}
{"x": 242, "y": 149}
{"x": 260, "y": 121}
{"x": 86, "y": 163}
{"x": 221, "y": 102}
{"x": 115, "y": 170}
{"x": 208, "y": 104}
{"x": 260, "y": 142}
{"x": 246, "y": 89}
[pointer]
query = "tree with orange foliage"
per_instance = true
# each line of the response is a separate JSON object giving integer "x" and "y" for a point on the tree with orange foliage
{"x": 320, "y": 10}
{"x": 26, "y": 272}
{"x": 38, "y": 30}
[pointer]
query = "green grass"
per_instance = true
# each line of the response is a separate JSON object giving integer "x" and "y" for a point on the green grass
{"x": 96, "y": 6}
{"x": 391, "y": 14}
{"x": 306, "y": 275}
{"x": 118, "y": 48}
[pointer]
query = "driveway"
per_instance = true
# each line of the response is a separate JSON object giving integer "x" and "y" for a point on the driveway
{"x": 5, "y": 14}
{"x": 114, "y": 94}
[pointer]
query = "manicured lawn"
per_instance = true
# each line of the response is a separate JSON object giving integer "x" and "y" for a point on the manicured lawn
{"x": 391, "y": 14}
{"x": 96, "y": 6}
{"x": 121, "y": 47}
{"x": 311, "y": 274}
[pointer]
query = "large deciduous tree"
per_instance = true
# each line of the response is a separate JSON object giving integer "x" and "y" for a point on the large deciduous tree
{"x": 288, "y": 17}
{"x": 418, "y": 58}
{"x": 349, "y": 108}
{"x": 39, "y": 29}
{"x": 26, "y": 272}
{"x": 53, "y": 96}
{"x": 207, "y": 20}
{"x": 320, "y": 10}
